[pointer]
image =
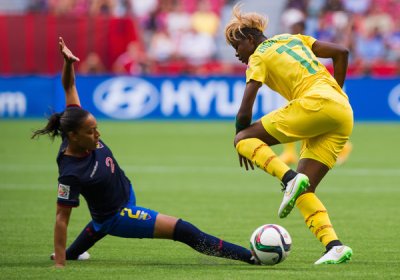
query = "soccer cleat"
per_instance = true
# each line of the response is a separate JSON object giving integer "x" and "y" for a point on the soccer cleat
{"x": 82, "y": 257}
{"x": 292, "y": 191}
{"x": 336, "y": 255}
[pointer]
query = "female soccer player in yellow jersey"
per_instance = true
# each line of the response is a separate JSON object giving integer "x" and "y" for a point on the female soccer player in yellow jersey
{"x": 318, "y": 113}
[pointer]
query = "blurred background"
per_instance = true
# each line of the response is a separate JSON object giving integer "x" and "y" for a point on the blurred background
{"x": 155, "y": 44}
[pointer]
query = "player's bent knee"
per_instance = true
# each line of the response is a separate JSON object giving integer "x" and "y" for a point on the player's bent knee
{"x": 239, "y": 137}
{"x": 165, "y": 226}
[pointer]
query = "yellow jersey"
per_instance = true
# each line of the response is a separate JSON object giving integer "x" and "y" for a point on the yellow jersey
{"x": 287, "y": 65}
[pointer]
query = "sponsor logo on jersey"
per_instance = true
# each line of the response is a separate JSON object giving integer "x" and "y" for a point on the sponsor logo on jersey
{"x": 94, "y": 169}
{"x": 63, "y": 191}
{"x": 126, "y": 97}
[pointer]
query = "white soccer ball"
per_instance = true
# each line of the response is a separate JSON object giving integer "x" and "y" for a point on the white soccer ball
{"x": 270, "y": 244}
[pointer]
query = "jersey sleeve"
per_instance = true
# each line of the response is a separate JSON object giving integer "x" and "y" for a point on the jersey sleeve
{"x": 74, "y": 105}
{"x": 307, "y": 40}
{"x": 257, "y": 69}
{"x": 68, "y": 191}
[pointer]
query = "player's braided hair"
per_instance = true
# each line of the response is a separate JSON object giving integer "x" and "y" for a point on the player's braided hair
{"x": 244, "y": 24}
{"x": 59, "y": 124}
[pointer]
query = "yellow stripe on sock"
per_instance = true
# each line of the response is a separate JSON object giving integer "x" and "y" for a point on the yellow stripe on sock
{"x": 262, "y": 156}
{"x": 267, "y": 162}
{"x": 313, "y": 214}
{"x": 256, "y": 150}
{"x": 321, "y": 236}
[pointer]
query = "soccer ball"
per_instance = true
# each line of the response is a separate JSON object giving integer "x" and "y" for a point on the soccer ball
{"x": 270, "y": 244}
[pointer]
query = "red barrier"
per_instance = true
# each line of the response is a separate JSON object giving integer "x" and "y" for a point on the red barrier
{"x": 29, "y": 42}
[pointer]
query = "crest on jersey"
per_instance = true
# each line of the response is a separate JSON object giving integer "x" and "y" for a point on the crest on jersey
{"x": 63, "y": 191}
{"x": 99, "y": 145}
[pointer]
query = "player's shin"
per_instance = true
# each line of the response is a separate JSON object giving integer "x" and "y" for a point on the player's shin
{"x": 316, "y": 218}
{"x": 86, "y": 239}
{"x": 210, "y": 245}
{"x": 263, "y": 156}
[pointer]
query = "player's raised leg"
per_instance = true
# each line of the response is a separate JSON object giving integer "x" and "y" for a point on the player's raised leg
{"x": 254, "y": 143}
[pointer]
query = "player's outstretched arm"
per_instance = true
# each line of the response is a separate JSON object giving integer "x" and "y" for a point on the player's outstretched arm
{"x": 68, "y": 75}
{"x": 339, "y": 55}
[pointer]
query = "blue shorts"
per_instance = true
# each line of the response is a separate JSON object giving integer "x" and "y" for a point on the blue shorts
{"x": 131, "y": 222}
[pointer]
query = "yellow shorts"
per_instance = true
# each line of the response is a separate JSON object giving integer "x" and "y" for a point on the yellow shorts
{"x": 323, "y": 121}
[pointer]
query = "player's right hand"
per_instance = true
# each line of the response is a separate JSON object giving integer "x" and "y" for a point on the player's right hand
{"x": 246, "y": 162}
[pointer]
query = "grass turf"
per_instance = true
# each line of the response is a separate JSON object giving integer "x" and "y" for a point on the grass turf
{"x": 190, "y": 170}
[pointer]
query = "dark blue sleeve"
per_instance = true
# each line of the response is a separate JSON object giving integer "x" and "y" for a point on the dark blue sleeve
{"x": 68, "y": 191}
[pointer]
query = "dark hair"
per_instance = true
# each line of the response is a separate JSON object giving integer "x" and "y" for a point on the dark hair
{"x": 59, "y": 124}
{"x": 245, "y": 32}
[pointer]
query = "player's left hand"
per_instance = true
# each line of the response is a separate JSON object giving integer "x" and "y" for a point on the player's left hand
{"x": 246, "y": 162}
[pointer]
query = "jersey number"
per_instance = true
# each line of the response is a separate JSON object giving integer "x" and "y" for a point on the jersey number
{"x": 303, "y": 61}
{"x": 110, "y": 163}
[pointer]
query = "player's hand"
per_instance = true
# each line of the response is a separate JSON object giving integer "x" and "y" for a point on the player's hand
{"x": 68, "y": 55}
{"x": 246, "y": 162}
{"x": 59, "y": 265}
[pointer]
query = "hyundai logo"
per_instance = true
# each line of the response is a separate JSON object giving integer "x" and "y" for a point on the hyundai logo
{"x": 126, "y": 98}
{"x": 394, "y": 100}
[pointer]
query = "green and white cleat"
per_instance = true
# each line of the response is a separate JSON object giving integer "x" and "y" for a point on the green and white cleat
{"x": 292, "y": 191}
{"x": 336, "y": 255}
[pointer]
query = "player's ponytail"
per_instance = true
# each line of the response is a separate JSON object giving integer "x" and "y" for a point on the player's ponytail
{"x": 244, "y": 24}
{"x": 52, "y": 128}
{"x": 59, "y": 124}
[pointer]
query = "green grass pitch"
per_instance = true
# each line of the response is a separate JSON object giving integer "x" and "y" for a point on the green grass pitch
{"x": 190, "y": 170}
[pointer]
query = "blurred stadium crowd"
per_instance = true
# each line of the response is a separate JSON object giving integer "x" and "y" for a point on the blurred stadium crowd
{"x": 186, "y": 36}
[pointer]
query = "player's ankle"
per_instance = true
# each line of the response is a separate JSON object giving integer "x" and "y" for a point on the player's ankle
{"x": 333, "y": 243}
{"x": 289, "y": 175}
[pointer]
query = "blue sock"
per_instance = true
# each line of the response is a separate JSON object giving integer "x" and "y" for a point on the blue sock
{"x": 210, "y": 245}
{"x": 86, "y": 239}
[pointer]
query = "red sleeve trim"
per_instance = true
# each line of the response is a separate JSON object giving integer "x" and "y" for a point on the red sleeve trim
{"x": 73, "y": 105}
